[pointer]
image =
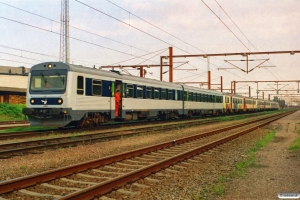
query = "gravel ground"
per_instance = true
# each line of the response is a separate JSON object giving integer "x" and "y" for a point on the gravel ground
{"x": 50, "y": 159}
{"x": 199, "y": 179}
{"x": 276, "y": 168}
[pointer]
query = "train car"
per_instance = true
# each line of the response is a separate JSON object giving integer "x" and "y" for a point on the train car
{"x": 202, "y": 102}
{"x": 233, "y": 103}
{"x": 61, "y": 94}
{"x": 249, "y": 104}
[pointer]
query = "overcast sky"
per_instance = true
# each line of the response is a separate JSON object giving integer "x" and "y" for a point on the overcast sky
{"x": 190, "y": 27}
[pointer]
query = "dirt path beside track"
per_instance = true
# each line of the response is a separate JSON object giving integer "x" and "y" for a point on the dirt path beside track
{"x": 275, "y": 170}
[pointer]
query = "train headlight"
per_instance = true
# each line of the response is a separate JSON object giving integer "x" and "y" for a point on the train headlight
{"x": 49, "y": 66}
{"x": 65, "y": 112}
{"x": 59, "y": 101}
{"x": 32, "y": 101}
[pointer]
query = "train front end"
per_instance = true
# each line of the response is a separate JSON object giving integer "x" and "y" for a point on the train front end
{"x": 46, "y": 98}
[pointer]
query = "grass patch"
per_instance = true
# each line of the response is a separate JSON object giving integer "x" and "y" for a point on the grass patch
{"x": 11, "y": 111}
{"x": 295, "y": 145}
{"x": 219, "y": 188}
{"x": 29, "y": 128}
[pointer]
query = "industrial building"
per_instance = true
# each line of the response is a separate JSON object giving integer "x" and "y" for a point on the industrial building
{"x": 13, "y": 84}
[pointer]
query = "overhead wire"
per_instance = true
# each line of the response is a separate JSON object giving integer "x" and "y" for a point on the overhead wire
{"x": 239, "y": 29}
{"x": 47, "y": 55}
{"x": 70, "y": 37}
{"x": 135, "y": 28}
{"x": 18, "y": 61}
{"x": 52, "y": 20}
{"x": 20, "y": 56}
{"x": 155, "y": 26}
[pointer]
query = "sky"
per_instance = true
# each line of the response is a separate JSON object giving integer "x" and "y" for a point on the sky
{"x": 133, "y": 32}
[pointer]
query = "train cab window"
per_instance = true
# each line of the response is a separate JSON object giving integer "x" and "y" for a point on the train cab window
{"x": 163, "y": 94}
{"x": 156, "y": 93}
{"x": 139, "y": 91}
{"x": 97, "y": 88}
{"x": 149, "y": 92}
{"x": 129, "y": 90}
{"x": 80, "y": 85}
{"x": 170, "y": 94}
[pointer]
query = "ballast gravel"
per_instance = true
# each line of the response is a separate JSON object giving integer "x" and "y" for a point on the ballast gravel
{"x": 198, "y": 178}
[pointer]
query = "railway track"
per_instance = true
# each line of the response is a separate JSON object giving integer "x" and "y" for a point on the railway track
{"x": 8, "y": 150}
{"x": 40, "y": 133}
{"x": 14, "y": 122}
{"x": 98, "y": 177}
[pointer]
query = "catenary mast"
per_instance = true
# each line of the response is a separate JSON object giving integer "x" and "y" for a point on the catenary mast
{"x": 64, "y": 32}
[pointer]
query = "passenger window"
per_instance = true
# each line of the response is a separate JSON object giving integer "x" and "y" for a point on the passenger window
{"x": 129, "y": 90}
{"x": 139, "y": 91}
{"x": 170, "y": 95}
{"x": 190, "y": 96}
{"x": 179, "y": 95}
{"x": 163, "y": 93}
{"x": 149, "y": 92}
{"x": 156, "y": 93}
{"x": 80, "y": 85}
{"x": 97, "y": 88}
{"x": 194, "y": 96}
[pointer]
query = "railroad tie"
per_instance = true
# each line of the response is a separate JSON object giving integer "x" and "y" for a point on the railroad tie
{"x": 194, "y": 161}
{"x": 179, "y": 167}
{"x": 105, "y": 172}
{"x": 30, "y": 193}
{"x": 152, "y": 180}
{"x": 126, "y": 192}
{"x": 80, "y": 182}
{"x": 171, "y": 170}
{"x": 162, "y": 175}
{"x": 91, "y": 176}
{"x": 117, "y": 168}
{"x": 105, "y": 198}
{"x": 138, "y": 162}
{"x": 130, "y": 165}
{"x": 140, "y": 185}
{"x": 152, "y": 159}
{"x": 59, "y": 187}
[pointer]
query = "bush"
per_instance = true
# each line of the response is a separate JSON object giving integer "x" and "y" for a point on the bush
{"x": 11, "y": 111}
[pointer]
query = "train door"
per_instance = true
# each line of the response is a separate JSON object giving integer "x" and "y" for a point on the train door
{"x": 244, "y": 104}
{"x": 118, "y": 98}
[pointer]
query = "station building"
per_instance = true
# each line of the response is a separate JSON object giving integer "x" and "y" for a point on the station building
{"x": 13, "y": 84}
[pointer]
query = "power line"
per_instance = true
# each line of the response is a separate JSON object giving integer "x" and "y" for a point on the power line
{"x": 137, "y": 29}
{"x": 225, "y": 25}
{"x": 155, "y": 26}
{"x": 70, "y": 37}
{"x": 20, "y": 56}
{"x": 52, "y": 20}
{"x": 240, "y": 30}
{"x": 18, "y": 61}
{"x": 47, "y": 55}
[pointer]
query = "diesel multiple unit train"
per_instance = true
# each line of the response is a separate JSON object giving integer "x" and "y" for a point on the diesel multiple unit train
{"x": 61, "y": 94}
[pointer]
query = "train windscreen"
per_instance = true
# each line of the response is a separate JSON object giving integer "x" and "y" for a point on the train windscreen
{"x": 48, "y": 81}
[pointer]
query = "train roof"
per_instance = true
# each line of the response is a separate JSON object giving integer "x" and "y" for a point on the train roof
{"x": 116, "y": 75}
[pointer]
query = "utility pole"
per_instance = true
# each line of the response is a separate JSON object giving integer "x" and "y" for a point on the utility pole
{"x": 64, "y": 32}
